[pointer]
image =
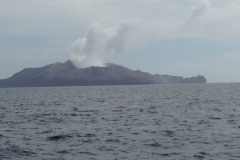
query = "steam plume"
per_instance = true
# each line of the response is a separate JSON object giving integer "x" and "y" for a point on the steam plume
{"x": 102, "y": 41}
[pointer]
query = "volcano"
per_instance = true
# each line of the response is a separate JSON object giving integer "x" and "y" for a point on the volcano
{"x": 66, "y": 74}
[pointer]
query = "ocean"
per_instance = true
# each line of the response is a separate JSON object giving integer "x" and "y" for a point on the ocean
{"x": 135, "y": 122}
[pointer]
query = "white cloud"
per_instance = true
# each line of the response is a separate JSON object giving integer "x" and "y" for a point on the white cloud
{"x": 101, "y": 41}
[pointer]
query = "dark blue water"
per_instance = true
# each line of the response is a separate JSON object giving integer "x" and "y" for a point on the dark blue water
{"x": 196, "y": 121}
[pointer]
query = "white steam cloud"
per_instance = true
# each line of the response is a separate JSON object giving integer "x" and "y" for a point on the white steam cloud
{"x": 102, "y": 41}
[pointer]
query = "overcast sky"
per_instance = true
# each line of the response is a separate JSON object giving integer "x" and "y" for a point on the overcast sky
{"x": 176, "y": 37}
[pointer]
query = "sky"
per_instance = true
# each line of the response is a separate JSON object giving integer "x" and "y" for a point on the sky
{"x": 183, "y": 38}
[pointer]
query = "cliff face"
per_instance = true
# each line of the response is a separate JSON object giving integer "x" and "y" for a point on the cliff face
{"x": 66, "y": 74}
{"x": 198, "y": 79}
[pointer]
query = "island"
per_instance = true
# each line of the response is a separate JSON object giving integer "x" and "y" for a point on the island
{"x": 66, "y": 74}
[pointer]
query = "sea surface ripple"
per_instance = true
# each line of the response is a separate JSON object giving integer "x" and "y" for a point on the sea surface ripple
{"x": 181, "y": 122}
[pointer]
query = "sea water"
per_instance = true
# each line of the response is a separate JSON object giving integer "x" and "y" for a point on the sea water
{"x": 190, "y": 121}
